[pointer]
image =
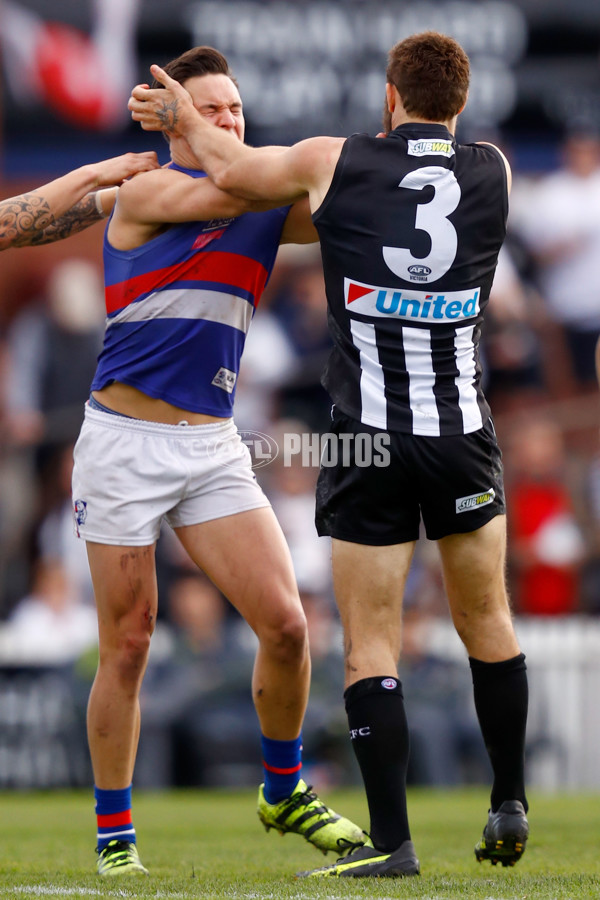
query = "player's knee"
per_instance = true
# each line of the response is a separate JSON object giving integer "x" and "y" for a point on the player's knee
{"x": 464, "y": 629}
{"x": 132, "y": 655}
{"x": 482, "y": 621}
{"x": 287, "y": 638}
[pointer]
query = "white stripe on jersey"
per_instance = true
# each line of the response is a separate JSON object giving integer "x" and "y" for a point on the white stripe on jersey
{"x": 467, "y": 395}
{"x": 186, "y": 303}
{"x": 418, "y": 362}
{"x": 372, "y": 383}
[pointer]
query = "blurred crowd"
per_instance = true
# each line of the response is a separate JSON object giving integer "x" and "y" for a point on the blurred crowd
{"x": 538, "y": 354}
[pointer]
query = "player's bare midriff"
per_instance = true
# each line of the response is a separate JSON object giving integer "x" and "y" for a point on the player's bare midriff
{"x": 128, "y": 401}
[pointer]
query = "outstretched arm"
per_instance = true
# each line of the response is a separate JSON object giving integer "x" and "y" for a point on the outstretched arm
{"x": 281, "y": 174}
{"x": 66, "y": 205}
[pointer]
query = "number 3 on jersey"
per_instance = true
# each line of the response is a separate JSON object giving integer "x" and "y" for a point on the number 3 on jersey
{"x": 431, "y": 217}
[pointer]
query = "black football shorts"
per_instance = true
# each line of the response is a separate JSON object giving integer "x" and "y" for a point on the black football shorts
{"x": 374, "y": 486}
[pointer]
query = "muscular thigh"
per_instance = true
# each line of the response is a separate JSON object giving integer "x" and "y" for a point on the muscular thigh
{"x": 247, "y": 557}
{"x": 474, "y": 576}
{"x": 125, "y": 589}
{"x": 474, "y": 563}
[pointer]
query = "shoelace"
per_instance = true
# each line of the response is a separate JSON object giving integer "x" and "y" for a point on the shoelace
{"x": 305, "y": 799}
{"x": 117, "y": 847}
{"x": 347, "y": 847}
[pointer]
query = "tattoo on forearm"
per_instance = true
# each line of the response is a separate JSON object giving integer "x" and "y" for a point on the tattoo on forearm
{"x": 20, "y": 217}
{"x": 80, "y": 216}
{"x": 28, "y": 221}
{"x": 168, "y": 115}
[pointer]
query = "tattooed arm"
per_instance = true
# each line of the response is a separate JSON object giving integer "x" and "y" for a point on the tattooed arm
{"x": 27, "y": 221}
{"x": 65, "y": 206}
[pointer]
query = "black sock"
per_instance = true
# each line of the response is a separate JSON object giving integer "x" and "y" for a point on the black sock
{"x": 379, "y": 733}
{"x": 501, "y": 700}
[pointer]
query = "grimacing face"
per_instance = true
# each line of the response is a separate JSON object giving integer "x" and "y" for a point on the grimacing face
{"x": 217, "y": 99}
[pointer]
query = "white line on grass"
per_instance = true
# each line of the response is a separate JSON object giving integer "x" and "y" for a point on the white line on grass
{"x": 44, "y": 890}
{"x": 41, "y": 890}
{"x": 343, "y": 895}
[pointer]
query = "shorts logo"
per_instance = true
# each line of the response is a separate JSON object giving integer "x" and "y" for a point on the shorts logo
{"x": 474, "y": 501}
{"x": 225, "y": 379}
{"x": 389, "y": 684}
{"x": 80, "y": 511}
{"x": 390, "y": 303}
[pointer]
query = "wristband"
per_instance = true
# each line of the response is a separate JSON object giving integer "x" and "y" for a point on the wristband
{"x": 99, "y": 206}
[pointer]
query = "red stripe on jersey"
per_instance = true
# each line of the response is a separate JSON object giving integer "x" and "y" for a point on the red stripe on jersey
{"x": 279, "y": 771}
{"x": 122, "y": 818}
{"x": 223, "y": 268}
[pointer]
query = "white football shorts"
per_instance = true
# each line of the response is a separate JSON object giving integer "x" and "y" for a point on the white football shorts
{"x": 129, "y": 474}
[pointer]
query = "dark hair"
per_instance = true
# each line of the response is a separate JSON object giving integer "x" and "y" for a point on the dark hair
{"x": 197, "y": 61}
{"x": 431, "y": 73}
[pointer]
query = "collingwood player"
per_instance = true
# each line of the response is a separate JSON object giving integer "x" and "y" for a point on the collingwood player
{"x": 410, "y": 224}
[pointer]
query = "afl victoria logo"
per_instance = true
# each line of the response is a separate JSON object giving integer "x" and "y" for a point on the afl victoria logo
{"x": 389, "y": 683}
{"x": 419, "y": 270}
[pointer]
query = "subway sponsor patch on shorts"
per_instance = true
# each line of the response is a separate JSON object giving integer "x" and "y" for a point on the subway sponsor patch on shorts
{"x": 473, "y": 501}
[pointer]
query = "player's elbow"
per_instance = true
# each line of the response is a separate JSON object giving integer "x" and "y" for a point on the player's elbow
{"x": 227, "y": 180}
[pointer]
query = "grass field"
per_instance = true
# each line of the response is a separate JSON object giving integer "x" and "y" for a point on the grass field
{"x": 210, "y": 844}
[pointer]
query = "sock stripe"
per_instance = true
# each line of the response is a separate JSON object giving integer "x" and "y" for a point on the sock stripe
{"x": 282, "y": 766}
{"x": 279, "y": 771}
{"x": 122, "y": 818}
{"x": 124, "y": 835}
